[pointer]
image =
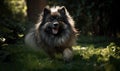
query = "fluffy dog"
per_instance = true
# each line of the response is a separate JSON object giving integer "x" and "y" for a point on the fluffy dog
{"x": 54, "y": 33}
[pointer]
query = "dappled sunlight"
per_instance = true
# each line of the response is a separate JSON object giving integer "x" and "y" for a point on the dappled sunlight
{"x": 18, "y": 6}
{"x": 21, "y": 35}
{"x": 102, "y": 54}
{"x": 101, "y": 58}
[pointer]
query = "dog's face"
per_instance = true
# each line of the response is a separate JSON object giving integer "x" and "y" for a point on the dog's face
{"x": 54, "y": 21}
{"x": 56, "y": 27}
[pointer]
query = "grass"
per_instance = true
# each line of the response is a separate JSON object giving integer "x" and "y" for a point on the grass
{"x": 90, "y": 54}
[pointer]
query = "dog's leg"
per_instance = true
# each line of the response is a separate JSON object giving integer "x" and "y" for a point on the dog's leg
{"x": 67, "y": 54}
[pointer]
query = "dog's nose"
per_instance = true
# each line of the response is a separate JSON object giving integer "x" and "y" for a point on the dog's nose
{"x": 56, "y": 24}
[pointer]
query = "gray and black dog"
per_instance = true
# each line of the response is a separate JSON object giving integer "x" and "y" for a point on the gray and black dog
{"x": 54, "y": 33}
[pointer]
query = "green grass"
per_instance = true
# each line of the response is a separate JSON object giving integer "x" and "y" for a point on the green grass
{"x": 90, "y": 54}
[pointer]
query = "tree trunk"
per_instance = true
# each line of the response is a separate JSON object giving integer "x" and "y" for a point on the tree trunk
{"x": 34, "y": 8}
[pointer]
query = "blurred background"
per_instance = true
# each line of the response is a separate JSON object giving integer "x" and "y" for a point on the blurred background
{"x": 96, "y": 21}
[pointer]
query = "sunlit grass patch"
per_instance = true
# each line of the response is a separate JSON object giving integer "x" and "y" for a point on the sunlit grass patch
{"x": 102, "y": 54}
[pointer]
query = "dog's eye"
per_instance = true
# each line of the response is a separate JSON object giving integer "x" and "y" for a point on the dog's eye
{"x": 51, "y": 18}
{"x": 59, "y": 18}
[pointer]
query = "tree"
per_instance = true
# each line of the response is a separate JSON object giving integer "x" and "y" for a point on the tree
{"x": 34, "y": 8}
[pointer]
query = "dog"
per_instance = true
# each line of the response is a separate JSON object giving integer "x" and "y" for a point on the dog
{"x": 55, "y": 32}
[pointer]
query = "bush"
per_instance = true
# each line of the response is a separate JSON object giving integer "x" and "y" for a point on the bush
{"x": 92, "y": 17}
{"x": 12, "y": 20}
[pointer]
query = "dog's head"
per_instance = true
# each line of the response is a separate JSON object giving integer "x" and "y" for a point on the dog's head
{"x": 55, "y": 20}
{"x": 56, "y": 26}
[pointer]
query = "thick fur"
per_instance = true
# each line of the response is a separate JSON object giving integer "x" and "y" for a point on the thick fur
{"x": 54, "y": 33}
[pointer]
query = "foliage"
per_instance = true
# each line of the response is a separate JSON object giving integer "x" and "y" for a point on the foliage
{"x": 86, "y": 58}
{"x": 92, "y": 17}
{"x": 11, "y": 20}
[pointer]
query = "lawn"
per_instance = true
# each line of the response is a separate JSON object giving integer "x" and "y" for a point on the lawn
{"x": 90, "y": 54}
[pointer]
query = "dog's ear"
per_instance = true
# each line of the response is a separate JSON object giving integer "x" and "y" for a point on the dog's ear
{"x": 46, "y": 10}
{"x": 62, "y": 10}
